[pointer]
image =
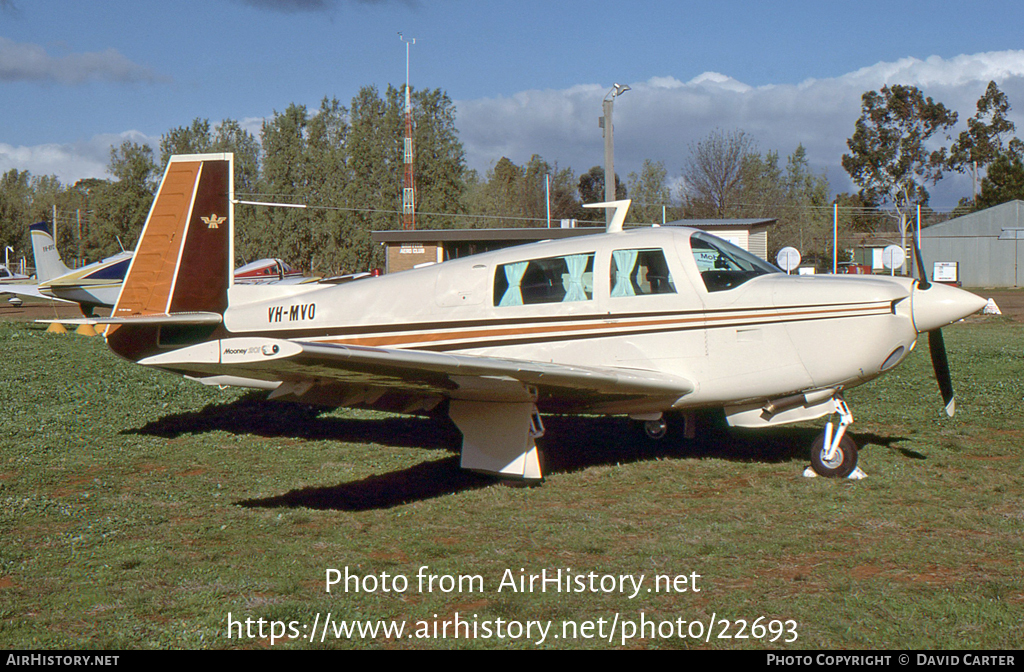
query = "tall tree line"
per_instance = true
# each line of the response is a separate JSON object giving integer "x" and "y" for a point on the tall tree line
{"x": 344, "y": 164}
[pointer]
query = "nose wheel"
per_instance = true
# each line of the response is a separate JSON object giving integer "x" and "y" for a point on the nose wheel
{"x": 837, "y": 463}
{"x": 834, "y": 453}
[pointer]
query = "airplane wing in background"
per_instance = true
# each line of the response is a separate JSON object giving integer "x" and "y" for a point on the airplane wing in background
{"x": 29, "y": 290}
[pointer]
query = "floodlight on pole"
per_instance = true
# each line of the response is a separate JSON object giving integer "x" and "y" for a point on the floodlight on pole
{"x": 609, "y": 144}
{"x": 409, "y": 183}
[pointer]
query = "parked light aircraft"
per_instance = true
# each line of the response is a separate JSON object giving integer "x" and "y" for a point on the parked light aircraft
{"x": 267, "y": 271}
{"x": 91, "y": 286}
{"x": 97, "y": 285}
{"x": 643, "y": 322}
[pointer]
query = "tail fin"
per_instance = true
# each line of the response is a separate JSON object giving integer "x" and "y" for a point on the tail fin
{"x": 183, "y": 260}
{"x": 182, "y": 263}
{"x": 48, "y": 263}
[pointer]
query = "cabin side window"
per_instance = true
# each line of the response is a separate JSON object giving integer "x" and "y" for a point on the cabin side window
{"x": 550, "y": 280}
{"x": 723, "y": 265}
{"x": 640, "y": 272}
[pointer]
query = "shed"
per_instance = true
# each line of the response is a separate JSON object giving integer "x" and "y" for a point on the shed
{"x": 750, "y": 234}
{"x": 987, "y": 245}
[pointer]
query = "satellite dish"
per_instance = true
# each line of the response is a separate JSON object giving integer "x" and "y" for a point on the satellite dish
{"x": 788, "y": 258}
{"x": 893, "y": 257}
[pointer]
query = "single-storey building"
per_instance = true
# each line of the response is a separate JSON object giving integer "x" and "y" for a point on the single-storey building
{"x": 984, "y": 248}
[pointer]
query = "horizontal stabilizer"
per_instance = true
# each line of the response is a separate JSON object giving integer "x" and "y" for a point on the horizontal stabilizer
{"x": 173, "y": 318}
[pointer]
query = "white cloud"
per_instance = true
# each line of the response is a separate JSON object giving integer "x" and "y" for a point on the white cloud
{"x": 661, "y": 118}
{"x": 30, "y": 62}
{"x": 72, "y": 161}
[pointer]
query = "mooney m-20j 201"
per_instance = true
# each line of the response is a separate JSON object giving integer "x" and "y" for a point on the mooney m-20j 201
{"x": 641, "y": 322}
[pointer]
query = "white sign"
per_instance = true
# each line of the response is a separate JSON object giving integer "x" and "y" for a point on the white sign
{"x": 893, "y": 256}
{"x": 946, "y": 271}
{"x": 788, "y": 258}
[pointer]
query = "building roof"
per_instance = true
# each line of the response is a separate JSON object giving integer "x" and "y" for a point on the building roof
{"x": 736, "y": 223}
{"x": 448, "y": 235}
{"x": 537, "y": 233}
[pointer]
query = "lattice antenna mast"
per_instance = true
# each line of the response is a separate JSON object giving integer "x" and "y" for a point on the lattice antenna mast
{"x": 409, "y": 183}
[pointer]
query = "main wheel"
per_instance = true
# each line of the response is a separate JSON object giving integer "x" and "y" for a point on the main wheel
{"x": 656, "y": 429}
{"x": 842, "y": 463}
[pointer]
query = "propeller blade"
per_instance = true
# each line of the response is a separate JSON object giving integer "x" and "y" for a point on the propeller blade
{"x": 922, "y": 275}
{"x": 937, "y": 347}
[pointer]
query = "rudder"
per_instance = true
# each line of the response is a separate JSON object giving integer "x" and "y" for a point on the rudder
{"x": 45, "y": 255}
{"x": 183, "y": 260}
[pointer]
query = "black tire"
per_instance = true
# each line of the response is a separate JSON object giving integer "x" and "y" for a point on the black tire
{"x": 842, "y": 465}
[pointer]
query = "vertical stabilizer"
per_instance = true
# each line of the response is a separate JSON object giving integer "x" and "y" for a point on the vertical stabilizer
{"x": 183, "y": 259}
{"x": 47, "y": 259}
{"x": 182, "y": 263}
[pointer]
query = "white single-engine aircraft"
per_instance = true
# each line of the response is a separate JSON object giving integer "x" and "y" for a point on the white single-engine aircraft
{"x": 92, "y": 286}
{"x": 641, "y": 322}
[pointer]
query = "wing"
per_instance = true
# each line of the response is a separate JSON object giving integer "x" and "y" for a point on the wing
{"x": 29, "y": 290}
{"x": 351, "y": 375}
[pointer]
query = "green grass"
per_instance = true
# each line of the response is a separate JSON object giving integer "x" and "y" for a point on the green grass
{"x": 138, "y": 509}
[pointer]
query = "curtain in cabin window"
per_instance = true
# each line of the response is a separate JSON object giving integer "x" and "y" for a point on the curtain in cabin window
{"x": 514, "y": 273}
{"x": 624, "y": 262}
{"x": 577, "y": 265}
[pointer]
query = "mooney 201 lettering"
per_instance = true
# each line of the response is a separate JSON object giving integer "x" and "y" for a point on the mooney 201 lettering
{"x": 642, "y": 322}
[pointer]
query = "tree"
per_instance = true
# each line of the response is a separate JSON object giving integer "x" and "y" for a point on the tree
{"x": 889, "y": 157}
{"x": 591, "y": 186}
{"x": 982, "y": 142}
{"x": 119, "y": 208}
{"x": 281, "y": 232}
{"x": 1004, "y": 181}
{"x": 194, "y": 139}
{"x": 713, "y": 176}
{"x": 228, "y": 136}
{"x": 512, "y": 193}
{"x": 650, "y": 192}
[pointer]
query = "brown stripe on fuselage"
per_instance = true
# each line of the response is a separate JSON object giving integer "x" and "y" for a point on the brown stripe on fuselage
{"x": 483, "y": 337}
{"x": 147, "y": 287}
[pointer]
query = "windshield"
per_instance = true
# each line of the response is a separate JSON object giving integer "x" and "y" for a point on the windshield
{"x": 723, "y": 265}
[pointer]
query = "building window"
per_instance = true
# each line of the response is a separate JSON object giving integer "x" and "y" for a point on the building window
{"x": 640, "y": 272}
{"x": 551, "y": 280}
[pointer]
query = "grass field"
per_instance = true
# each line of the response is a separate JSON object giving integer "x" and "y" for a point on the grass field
{"x": 137, "y": 510}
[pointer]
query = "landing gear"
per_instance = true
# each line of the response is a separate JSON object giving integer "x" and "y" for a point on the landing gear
{"x": 833, "y": 453}
{"x": 840, "y": 463}
{"x": 656, "y": 429}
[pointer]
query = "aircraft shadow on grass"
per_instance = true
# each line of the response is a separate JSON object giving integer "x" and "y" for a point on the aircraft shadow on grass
{"x": 572, "y": 443}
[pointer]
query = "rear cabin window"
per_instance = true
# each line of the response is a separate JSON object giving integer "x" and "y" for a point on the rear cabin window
{"x": 723, "y": 265}
{"x": 550, "y": 280}
{"x": 640, "y": 272}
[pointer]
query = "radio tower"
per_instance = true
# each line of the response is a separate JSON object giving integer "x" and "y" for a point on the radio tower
{"x": 409, "y": 184}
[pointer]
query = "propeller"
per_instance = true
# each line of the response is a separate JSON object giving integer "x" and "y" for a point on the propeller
{"x": 936, "y": 344}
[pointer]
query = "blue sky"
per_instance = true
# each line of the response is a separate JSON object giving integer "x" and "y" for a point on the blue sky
{"x": 527, "y": 76}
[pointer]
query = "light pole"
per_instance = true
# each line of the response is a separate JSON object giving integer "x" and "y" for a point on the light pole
{"x": 609, "y": 145}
